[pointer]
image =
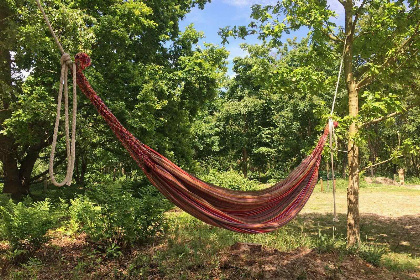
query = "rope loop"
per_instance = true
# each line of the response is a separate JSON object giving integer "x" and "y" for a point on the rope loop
{"x": 66, "y": 63}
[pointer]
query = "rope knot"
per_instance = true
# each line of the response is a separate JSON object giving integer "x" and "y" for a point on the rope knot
{"x": 66, "y": 59}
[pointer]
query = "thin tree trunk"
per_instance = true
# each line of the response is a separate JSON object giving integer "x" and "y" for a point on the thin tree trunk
{"x": 245, "y": 162}
{"x": 353, "y": 218}
{"x": 83, "y": 169}
{"x": 416, "y": 168}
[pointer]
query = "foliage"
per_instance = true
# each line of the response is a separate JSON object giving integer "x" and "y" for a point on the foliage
{"x": 110, "y": 214}
{"x": 25, "y": 224}
{"x": 230, "y": 179}
{"x": 384, "y": 67}
{"x": 370, "y": 253}
{"x": 151, "y": 74}
{"x": 271, "y": 113}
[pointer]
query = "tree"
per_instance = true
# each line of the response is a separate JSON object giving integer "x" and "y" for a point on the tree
{"x": 381, "y": 42}
{"x": 151, "y": 74}
{"x": 267, "y": 118}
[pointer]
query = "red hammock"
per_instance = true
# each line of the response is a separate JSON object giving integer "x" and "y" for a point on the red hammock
{"x": 241, "y": 211}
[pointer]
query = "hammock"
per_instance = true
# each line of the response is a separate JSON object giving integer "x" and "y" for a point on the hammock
{"x": 241, "y": 211}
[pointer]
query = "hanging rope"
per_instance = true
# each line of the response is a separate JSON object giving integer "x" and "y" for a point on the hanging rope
{"x": 332, "y": 124}
{"x": 338, "y": 78}
{"x": 66, "y": 63}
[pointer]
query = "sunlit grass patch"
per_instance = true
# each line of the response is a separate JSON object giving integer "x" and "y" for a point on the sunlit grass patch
{"x": 400, "y": 262}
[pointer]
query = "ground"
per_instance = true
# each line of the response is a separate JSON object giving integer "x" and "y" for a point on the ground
{"x": 310, "y": 247}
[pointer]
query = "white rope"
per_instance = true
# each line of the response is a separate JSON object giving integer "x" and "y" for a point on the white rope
{"x": 66, "y": 63}
{"x": 338, "y": 78}
{"x": 50, "y": 27}
{"x": 331, "y": 131}
{"x": 70, "y": 145}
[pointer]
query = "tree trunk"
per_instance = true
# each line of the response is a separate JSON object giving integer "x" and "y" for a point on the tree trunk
{"x": 8, "y": 153}
{"x": 17, "y": 170}
{"x": 353, "y": 228}
{"x": 245, "y": 162}
{"x": 17, "y": 173}
{"x": 12, "y": 183}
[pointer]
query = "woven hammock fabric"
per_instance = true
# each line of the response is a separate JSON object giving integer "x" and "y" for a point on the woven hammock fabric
{"x": 241, "y": 211}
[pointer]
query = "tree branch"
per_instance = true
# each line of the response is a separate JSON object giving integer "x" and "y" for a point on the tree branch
{"x": 386, "y": 117}
{"x": 36, "y": 177}
{"x": 390, "y": 60}
{"x": 357, "y": 15}
{"x": 328, "y": 34}
{"x": 332, "y": 37}
{"x": 381, "y": 162}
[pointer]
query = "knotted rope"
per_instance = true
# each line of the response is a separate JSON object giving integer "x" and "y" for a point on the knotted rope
{"x": 66, "y": 63}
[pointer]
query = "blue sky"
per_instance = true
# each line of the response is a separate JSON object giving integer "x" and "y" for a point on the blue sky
{"x": 221, "y": 13}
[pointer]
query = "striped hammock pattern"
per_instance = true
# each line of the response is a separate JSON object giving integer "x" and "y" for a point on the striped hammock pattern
{"x": 241, "y": 211}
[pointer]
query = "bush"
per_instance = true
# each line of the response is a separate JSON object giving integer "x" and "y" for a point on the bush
{"x": 369, "y": 252}
{"x": 231, "y": 180}
{"x": 26, "y": 223}
{"x": 412, "y": 181}
{"x": 112, "y": 215}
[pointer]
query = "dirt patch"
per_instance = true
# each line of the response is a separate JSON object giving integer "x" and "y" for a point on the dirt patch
{"x": 416, "y": 187}
{"x": 380, "y": 180}
{"x": 250, "y": 261}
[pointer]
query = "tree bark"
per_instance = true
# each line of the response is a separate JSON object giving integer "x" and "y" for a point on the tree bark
{"x": 353, "y": 217}
{"x": 12, "y": 183}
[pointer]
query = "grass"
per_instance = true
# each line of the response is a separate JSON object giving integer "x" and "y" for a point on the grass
{"x": 198, "y": 245}
{"x": 309, "y": 247}
{"x": 400, "y": 262}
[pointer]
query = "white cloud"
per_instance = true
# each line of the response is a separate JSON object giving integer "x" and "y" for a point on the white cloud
{"x": 248, "y": 3}
{"x": 235, "y": 51}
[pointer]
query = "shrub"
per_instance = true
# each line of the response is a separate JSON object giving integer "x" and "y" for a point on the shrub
{"x": 369, "y": 252}
{"x": 26, "y": 223}
{"x": 230, "y": 179}
{"x": 110, "y": 214}
{"x": 325, "y": 243}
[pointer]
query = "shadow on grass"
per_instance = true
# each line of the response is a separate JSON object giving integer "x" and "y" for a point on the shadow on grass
{"x": 399, "y": 234}
{"x": 303, "y": 249}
